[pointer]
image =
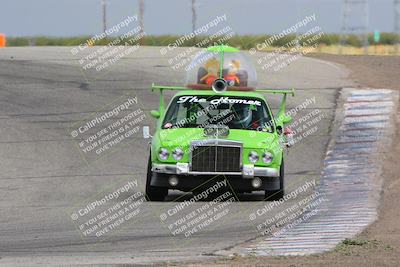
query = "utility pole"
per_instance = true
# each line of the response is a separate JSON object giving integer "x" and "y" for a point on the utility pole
{"x": 397, "y": 24}
{"x": 354, "y": 23}
{"x": 104, "y": 7}
{"x": 194, "y": 15}
{"x": 297, "y": 19}
{"x": 141, "y": 20}
{"x": 194, "y": 19}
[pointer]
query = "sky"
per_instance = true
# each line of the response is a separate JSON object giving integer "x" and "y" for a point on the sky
{"x": 84, "y": 17}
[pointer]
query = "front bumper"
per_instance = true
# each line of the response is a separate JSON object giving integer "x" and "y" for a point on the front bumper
{"x": 239, "y": 181}
{"x": 248, "y": 171}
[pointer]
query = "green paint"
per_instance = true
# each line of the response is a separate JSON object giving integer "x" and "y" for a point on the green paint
{"x": 377, "y": 36}
{"x": 222, "y": 48}
{"x": 221, "y": 69}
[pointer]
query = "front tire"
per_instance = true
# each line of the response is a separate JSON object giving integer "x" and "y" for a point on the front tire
{"x": 272, "y": 195}
{"x": 154, "y": 193}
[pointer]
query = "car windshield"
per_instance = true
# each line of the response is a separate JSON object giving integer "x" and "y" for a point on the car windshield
{"x": 236, "y": 112}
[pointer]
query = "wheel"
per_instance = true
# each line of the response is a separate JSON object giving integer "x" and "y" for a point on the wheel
{"x": 154, "y": 193}
{"x": 277, "y": 194}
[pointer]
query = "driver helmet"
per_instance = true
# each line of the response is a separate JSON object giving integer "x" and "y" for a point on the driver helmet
{"x": 242, "y": 115}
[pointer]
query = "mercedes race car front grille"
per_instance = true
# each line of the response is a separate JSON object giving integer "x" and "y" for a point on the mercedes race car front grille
{"x": 216, "y": 159}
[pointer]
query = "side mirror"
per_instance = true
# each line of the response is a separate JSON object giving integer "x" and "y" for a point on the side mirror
{"x": 287, "y": 119}
{"x": 146, "y": 132}
{"x": 279, "y": 129}
{"x": 155, "y": 114}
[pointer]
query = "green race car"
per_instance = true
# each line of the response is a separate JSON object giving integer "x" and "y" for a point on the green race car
{"x": 218, "y": 126}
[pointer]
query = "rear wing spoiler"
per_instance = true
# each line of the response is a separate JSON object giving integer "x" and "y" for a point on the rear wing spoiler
{"x": 276, "y": 91}
{"x": 163, "y": 87}
{"x": 281, "y": 117}
{"x": 179, "y": 88}
{"x": 282, "y": 108}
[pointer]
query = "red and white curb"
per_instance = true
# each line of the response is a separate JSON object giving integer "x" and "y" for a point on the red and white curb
{"x": 350, "y": 181}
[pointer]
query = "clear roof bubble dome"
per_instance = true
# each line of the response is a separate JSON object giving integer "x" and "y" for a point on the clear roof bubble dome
{"x": 221, "y": 62}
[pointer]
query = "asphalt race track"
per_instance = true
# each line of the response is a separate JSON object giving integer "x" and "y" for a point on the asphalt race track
{"x": 43, "y": 178}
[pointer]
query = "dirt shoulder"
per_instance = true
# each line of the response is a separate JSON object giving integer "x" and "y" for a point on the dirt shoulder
{"x": 379, "y": 244}
{"x": 370, "y": 71}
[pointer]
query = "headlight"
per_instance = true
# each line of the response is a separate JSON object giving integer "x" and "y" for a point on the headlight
{"x": 253, "y": 157}
{"x": 267, "y": 157}
{"x": 163, "y": 154}
{"x": 177, "y": 153}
